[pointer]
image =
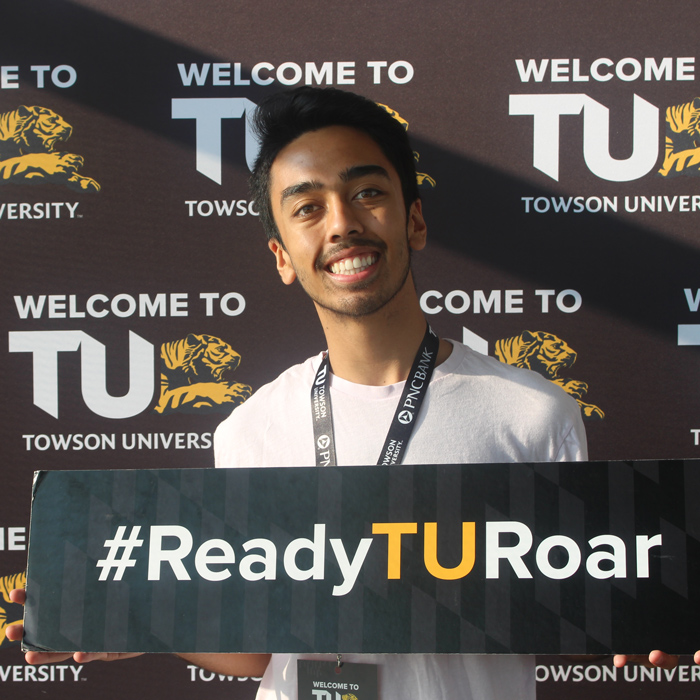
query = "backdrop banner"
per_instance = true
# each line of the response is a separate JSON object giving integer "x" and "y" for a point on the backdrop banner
{"x": 494, "y": 558}
{"x": 558, "y": 155}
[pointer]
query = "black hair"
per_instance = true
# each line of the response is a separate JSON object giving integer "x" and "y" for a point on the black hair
{"x": 285, "y": 116}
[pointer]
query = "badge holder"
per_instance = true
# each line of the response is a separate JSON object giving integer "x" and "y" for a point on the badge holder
{"x": 336, "y": 680}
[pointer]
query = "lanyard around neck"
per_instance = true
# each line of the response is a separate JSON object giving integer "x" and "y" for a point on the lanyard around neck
{"x": 403, "y": 422}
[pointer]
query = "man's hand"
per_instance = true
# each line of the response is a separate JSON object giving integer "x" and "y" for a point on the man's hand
{"x": 15, "y": 633}
{"x": 655, "y": 658}
{"x": 250, "y": 665}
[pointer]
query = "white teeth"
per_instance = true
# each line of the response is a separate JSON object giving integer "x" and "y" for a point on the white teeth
{"x": 351, "y": 266}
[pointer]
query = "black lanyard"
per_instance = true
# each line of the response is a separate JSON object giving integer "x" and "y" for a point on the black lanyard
{"x": 404, "y": 418}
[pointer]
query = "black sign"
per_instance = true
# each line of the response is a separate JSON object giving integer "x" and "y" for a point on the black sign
{"x": 514, "y": 558}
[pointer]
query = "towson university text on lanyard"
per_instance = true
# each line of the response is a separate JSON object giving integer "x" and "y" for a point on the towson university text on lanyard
{"x": 404, "y": 419}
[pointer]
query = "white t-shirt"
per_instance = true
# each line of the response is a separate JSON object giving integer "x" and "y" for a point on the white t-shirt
{"x": 476, "y": 410}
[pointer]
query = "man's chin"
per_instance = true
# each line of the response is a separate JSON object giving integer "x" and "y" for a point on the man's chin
{"x": 356, "y": 300}
{"x": 357, "y": 305}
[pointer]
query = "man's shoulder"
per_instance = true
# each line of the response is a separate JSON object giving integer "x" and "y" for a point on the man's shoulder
{"x": 514, "y": 387}
{"x": 466, "y": 362}
{"x": 285, "y": 387}
{"x": 506, "y": 401}
{"x": 240, "y": 437}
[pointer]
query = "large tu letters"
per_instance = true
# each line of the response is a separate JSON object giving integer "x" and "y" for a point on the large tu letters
{"x": 546, "y": 110}
{"x": 45, "y": 346}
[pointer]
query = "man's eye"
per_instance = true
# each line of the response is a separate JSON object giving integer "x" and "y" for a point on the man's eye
{"x": 367, "y": 193}
{"x": 305, "y": 210}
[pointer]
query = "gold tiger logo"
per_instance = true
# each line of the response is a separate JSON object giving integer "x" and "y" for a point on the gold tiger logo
{"x": 192, "y": 376}
{"x": 682, "y": 140}
{"x": 8, "y": 615}
{"x": 422, "y": 178}
{"x": 546, "y": 354}
{"x": 28, "y": 137}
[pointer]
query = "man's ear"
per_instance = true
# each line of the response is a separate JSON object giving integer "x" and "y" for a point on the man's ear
{"x": 284, "y": 264}
{"x": 416, "y": 228}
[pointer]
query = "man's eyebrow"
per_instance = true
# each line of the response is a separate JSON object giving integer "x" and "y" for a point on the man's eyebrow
{"x": 300, "y": 188}
{"x": 352, "y": 173}
{"x": 358, "y": 171}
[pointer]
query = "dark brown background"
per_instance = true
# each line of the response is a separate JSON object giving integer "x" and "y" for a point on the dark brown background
{"x": 135, "y": 236}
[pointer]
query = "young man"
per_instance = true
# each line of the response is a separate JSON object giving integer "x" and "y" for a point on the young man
{"x": 335, "y": 184}
{"x": 336, "y": 188}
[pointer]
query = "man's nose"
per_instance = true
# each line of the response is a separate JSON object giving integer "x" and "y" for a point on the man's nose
{"x": 342, "y": 220}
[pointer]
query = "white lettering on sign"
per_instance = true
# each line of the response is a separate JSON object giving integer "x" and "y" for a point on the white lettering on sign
{"x": 514, "y": 553}
{"x": 290, "y": 73}
{"x": 564, "y": 70}
{"x": 16, "y": 539}
{"x": 208, "y": 114}
{"x": 509, "y": 301}
{"x": 205, "y": 207}
{"x": 62, "y": 76}
{"x": 38, "y": 210}
{"x": 108, "y": 441}
{"x": 253, "y": 567}
{"x": 170, "y": 551}
{"x": 206, "y": 676}
{"x": 26, "y": 673}
{"x": 547, "y": 109}
{"x": 45, "y": 347}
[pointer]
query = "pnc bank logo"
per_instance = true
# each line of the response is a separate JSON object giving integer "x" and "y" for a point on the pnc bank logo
{"x": 405, "y": 417}
{"x": 28, "y": 140}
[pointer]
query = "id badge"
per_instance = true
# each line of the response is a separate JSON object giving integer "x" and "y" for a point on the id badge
{"x": 336, "y": 680}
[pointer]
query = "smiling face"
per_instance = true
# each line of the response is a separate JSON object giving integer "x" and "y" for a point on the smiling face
{"x": 338, "y": 205}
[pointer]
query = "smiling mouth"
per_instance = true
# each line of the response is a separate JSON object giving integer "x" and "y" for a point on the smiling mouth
{"x": 353, "y": 266}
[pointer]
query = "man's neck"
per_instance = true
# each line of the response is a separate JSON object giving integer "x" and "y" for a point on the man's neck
{"x": 377, "y": 349}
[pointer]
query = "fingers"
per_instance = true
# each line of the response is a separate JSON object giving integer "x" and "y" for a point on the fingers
{"x": 14, "y": 632}
{"x": 45, "y": 657}
{"x": 655, "y": 658}
{"x": 696, "y": 658}
{"x": 18, "y": 595}
{"x": 82, "y": 657}
{"x": 658, "y": 658}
